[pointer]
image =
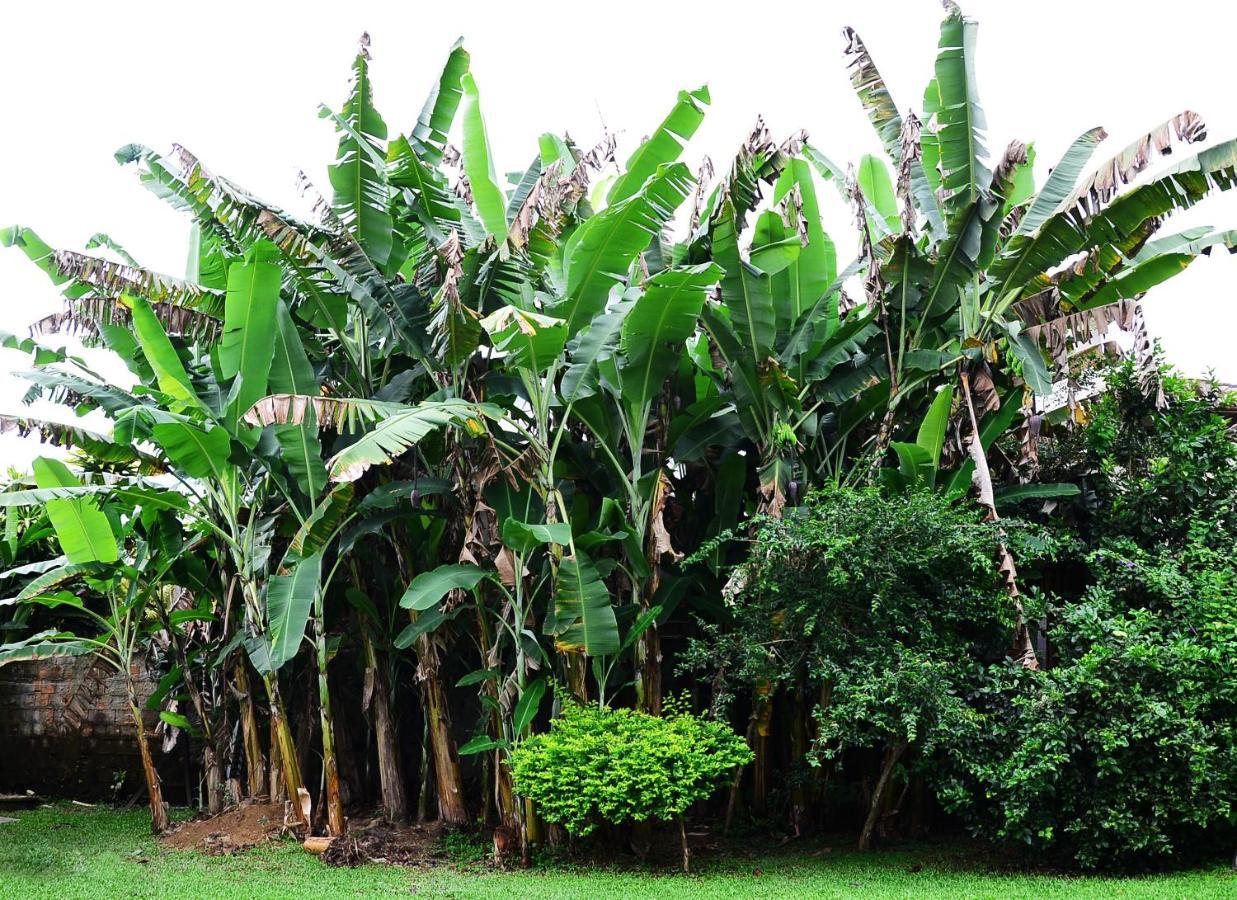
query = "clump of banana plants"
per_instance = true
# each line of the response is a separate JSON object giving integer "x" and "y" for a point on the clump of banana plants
{"x": 459, "y": 423}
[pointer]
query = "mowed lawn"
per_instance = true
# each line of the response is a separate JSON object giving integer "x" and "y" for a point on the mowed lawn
{"x": 69, "y": 851}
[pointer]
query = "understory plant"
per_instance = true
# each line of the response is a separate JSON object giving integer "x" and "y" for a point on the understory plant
{"x": 621, "y": 766}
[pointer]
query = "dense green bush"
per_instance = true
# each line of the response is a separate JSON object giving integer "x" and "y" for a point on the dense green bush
{"x": 617, "y": 765}
{"x": 1124, "y": 750}
{"x": 886, "y": 607}
{"x": 1152, "y": 473}
{"x": 854, "y": 575}
{"x": 902, "y": 700}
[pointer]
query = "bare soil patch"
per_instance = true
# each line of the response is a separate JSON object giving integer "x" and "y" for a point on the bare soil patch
{"x": 380, "y": 842}
{"x": 236, "y": 829}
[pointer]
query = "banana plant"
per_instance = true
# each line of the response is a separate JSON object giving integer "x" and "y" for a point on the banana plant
{"x": 107, "y": 555}
{"x": 614, "y": 386}
{"x": 783, "y": 359}
{"x": 971, "y": 268}
{"x": 194, "y": 422}
{"x": 561, "y": 327}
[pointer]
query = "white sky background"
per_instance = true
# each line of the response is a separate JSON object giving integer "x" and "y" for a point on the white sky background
{"x": 239, "y": 83}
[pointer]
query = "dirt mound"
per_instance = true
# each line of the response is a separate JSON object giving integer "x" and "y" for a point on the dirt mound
{"x": 237, "y": 829}
{"x": 377, "y": 841}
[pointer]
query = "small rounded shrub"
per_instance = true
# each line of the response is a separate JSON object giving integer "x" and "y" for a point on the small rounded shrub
{"x": 618, "y": 765}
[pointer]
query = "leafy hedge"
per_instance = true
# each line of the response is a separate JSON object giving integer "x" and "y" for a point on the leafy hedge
{"x": 617, "y": 765}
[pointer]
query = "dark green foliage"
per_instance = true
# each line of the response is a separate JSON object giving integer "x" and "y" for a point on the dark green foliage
{"x": 903, "y": 699}
{"x": 854, "y": 576}
{"x": 1124, "y": 751}
{"x": 533, "y": 405}
{"x": 885, "y": 607}
{"x": 1159, "y": 473}
{"x": 618, "y": 765}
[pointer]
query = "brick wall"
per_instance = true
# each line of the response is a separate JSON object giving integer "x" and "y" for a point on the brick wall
{"x": 66, "y": 730}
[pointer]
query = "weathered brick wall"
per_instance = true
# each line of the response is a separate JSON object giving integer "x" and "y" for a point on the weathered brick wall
{"x": 66, "y": 730}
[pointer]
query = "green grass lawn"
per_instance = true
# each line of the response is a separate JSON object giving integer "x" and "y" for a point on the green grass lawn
{"x": 67, "y": 852}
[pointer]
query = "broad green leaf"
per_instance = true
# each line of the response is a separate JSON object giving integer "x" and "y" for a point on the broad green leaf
{"x": 528, "y": 704}
{"x": 607, "y": 244}
{"x": 664, "y": 145}
{"x": 478, "y": 165}
{"x": 877, "y": 187}
{"x": 477, "y": 676}
{"x": 398, "y": 431}
{"x": 84, "y": 532}
{"x": 1192, "y": 241}
{"x": 772, "y": 251}
{"x": 360, "y": 199}
{"x": 159, "y": 352}
{"x": 813, "y": 272}
{"x": 1135, "y": 281}
{"x": 176, "y": 720}
{"x": 206, "y": 264}
{"x": 591, "y": 346}
{"x": 43, "y": 256}
{"x": 960, "y": 120}
{"x": 427, "y": 589}
{"x": 525, "y": 537}
{"x": 928, "y": 360}
{"x": 745, "y": 291}
{"x": 51, "y": 601}
{"x": 426, "y": 190}
{"x": 915, "y": 464}
{"x": 248, "y": 341}
{"x": 45, "y": 645}
{"x": 196, "y": 453}
{"x": 110, "y": 398}
{"x": 639, "y": 626}
{"x": 289, "y": 599}
{"x": 1061, "y": 180}
{"x": 429, "y": 135}
{"x": 321, "y": 526}
{"x": 480, "y": 744}
{"x": 38, "y": 567}
{"x": 591, "y": 539}
{"x": 554, "y": 149}
{"x": 1034, "y": 369}
{"x": 583, "y": 610}
{"x": 525, "y": 340}
{"x": 751, "y": 400}
{"x": 291, "y": 373}
{"x": 523, "y": 188}
{"x": 427, "y": 622}
{"x": 1021, "y": 183}
{"x": 1011, "y": 494}
{"x": 819, "y": 323}
{"x": 136, "y": 495}
{"x": 54, "y": 578}
{"x": 931, "y": 435}
{"x": 653, "y": 333}
{"x": 510, "y": 499}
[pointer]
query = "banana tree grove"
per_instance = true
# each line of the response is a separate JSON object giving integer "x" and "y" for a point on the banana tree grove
{"x": 385, "y": 475}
